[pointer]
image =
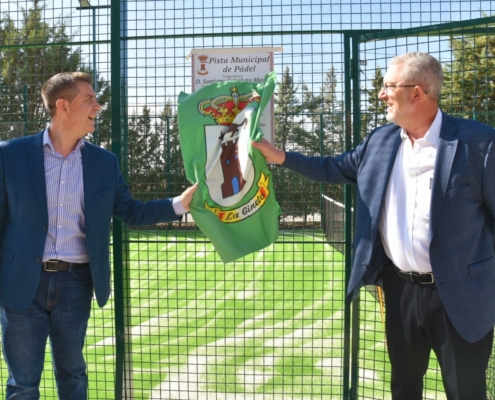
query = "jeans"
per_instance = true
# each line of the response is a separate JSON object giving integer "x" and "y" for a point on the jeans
{"x": 60, "y": 310}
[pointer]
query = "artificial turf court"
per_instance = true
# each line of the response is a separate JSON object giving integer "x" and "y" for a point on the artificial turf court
{"x": 269, "y": 326}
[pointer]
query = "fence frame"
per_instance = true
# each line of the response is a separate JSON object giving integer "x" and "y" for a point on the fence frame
{"x": 352, "y": 39}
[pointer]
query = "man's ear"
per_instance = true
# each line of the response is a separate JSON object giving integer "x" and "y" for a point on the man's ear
{"x": 418, "y": 93}
{"x": 62, "y": 106}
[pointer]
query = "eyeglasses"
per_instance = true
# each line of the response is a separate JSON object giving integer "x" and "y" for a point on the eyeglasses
{"x": 386, "y": 87}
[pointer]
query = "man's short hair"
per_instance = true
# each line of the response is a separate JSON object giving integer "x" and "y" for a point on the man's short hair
{"x": 62, "y": 86}
{"x": 421, "y": 69}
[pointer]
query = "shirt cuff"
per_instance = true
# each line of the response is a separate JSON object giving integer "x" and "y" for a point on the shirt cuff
{"x": 179, "y": 209}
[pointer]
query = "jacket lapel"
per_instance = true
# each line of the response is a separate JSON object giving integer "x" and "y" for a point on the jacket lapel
{"x": 36, "y": 159}
{"x": 443, "y": 166}
{"x": 87, "y": 181}
{"x": 389, "y": 146}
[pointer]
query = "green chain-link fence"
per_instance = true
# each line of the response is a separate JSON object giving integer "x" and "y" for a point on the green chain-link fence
{"x": 181, "y": 324}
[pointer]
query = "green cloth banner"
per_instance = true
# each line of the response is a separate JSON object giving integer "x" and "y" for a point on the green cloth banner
{"x": 235, "y": 204}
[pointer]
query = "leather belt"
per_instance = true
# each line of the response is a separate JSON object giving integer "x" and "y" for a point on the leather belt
{"x": 415, "y": 277}
{"x": 62, "y": 266}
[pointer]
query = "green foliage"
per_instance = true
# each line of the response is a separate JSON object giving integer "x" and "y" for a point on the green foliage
{"x": 290, "y": 135}
{"x": 374, "y": 115}
{"x": 469, "y": 80}
{"x": 333, "y": 115}
{"x": 174, "y": 171}
{"x": 286, "y": 110}
{"x": 153, "y": 155}
{"x": 31, "y": 52}
{"x": 313, "y": 126}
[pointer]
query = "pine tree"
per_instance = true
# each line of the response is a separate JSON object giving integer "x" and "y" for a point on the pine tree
{"x": 31, "y": 52}
{"x": 144, "y": 151}
{"x": 173, "y": 174}
{"x": 469, "y": 80}
{"x": 333, "y": 115}
{"x": 295, "y": 130}
{"x": 376, "y": 110}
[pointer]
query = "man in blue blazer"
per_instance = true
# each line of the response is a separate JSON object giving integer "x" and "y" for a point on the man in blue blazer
{"x": 57, "y": 198}
{"x": 425, "y": 228}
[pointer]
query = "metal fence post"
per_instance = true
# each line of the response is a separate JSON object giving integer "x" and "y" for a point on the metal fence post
{"x": 123, "y": 373}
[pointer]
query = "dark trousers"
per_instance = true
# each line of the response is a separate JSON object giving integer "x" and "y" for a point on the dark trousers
{"x": 416, "y": 323}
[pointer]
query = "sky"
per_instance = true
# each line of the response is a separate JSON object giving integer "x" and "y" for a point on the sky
{"x": 162, "y": 33}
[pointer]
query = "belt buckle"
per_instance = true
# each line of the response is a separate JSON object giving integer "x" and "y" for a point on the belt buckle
{"x": 432, "y": 279}
{"x": 46, "y": 267}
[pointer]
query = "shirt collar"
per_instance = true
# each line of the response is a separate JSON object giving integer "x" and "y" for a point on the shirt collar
{"x": 433, "y": 134}
{"x": 48, "y": 142}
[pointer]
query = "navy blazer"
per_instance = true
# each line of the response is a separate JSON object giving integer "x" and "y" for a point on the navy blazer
{"x": 461, "y": 215}
{"x": 24, "y": 216}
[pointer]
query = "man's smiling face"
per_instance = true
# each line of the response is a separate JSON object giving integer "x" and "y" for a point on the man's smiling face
{"x": 398, "y": 99}
{"x": 83, "y": 109}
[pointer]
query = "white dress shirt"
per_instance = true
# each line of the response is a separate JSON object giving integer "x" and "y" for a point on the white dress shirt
{"x": 405, "y": 220}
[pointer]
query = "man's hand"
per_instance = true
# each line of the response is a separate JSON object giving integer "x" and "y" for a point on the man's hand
{"x": 272, "y": 154}
{"x": 187, "y": 195}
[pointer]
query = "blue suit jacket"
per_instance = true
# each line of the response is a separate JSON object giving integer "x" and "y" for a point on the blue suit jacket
{"x": 461, "y": 215}
{"x": 24, "y": 216}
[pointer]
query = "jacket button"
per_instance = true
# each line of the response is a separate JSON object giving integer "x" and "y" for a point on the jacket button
{"x": 38, "y": 259}
{"x": 45, "y": 229}
{"x": 364, "y": 265}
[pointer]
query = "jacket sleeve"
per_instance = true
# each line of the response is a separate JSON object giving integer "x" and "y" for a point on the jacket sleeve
{"x": 3, "y": 194}
{"x": 134, "y": 212}
{"x": 489, "y": 178}
{"x": 336, "y": 170}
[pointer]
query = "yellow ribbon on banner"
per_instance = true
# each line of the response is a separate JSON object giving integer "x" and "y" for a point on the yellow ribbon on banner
{"x": 247, "y": 209}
